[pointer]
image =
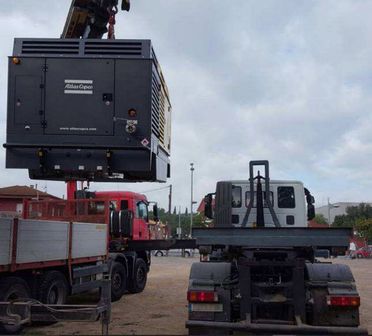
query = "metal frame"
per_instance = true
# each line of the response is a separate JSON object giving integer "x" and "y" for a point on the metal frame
{"x": 277, "y": 329}
{"x": 29, "y": 310}
{"x": 269, "y": 237}
{"x": 252, "y": 164}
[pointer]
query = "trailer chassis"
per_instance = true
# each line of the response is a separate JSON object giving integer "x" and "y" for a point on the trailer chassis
{"x": 266, "y": 329}
{"x": 271, "y": 303}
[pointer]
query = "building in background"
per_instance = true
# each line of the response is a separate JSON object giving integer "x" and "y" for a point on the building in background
{"x": 336, "y": 209}
{"x": 11, "y": 199}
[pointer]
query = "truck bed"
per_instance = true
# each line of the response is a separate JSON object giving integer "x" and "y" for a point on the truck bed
{"x": 36, "y": 243}
{"x": 320, "y": 238}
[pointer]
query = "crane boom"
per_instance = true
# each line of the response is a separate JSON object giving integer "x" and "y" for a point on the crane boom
{"x": 89, "y": 18}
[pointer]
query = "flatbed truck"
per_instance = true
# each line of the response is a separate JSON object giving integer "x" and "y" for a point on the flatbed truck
{"x": 61, "y": 248}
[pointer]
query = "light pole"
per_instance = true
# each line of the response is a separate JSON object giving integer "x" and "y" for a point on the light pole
{"x": 192, "y": 195}
{"x": 179, "y": 231}
{"x": 330, "y": 206}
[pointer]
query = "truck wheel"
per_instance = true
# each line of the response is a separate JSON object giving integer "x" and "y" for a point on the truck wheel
{"x": 53, "y": 288}
{"x": 138, "y": 283}
{"x": 118, "y": 281}
{"x": 187, "y": 254}
{"x": 159, "y": 254}
{"x": 12, "y": 288}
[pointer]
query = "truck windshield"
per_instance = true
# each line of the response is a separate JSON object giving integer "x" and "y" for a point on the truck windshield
{"x": 248, "y": 197}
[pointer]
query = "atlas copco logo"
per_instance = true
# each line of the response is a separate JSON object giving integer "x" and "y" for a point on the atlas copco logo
{"x": 78, "y": 86}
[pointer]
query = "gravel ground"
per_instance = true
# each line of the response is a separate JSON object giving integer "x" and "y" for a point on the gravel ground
{"x": 162, "y": 307}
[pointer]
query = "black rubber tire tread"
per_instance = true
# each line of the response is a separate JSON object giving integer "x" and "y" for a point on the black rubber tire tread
{"x": 187, "y": 254}
{"x": 19, "y": 287}
{"x": 119, "y": 270}
{"x": 53, "y": 278}
{"x": 134, "y": 285}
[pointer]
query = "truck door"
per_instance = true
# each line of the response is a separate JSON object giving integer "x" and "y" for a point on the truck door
{"x": 141, "y": 221}
{"x": 286, "y": 205}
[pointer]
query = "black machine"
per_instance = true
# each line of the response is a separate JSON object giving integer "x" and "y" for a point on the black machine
{"x": 88, "y": 108}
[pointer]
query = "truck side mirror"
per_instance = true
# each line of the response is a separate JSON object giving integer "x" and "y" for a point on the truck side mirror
{"x": 208, "y": 206}
{"x": 155, "y": 211}
{"x": 310, "y": 212}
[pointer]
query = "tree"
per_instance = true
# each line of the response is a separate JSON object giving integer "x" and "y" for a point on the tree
{"x": 343, "y": 221}
{"x": 364, "y": 228}
{"x": 320, "y": 219}
{"x": 355, "y": 216}
{"x": 175, "y": 211}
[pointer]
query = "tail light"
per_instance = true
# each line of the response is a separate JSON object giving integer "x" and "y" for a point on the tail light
{"x": 343, "y": 301}
{"x": 202, "y": 296}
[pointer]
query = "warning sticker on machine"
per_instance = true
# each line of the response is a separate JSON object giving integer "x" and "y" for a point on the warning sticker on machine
{"x": 78, "y": 86}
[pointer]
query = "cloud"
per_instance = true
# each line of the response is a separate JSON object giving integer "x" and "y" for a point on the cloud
{"x": 287, "y": 81}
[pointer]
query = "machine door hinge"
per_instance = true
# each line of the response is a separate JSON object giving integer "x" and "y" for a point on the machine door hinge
{"x": 44, "y": 124}
{"x": 44, "y": 68}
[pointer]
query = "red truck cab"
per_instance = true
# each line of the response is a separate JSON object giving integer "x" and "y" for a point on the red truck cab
{"x": 134, "y": 202}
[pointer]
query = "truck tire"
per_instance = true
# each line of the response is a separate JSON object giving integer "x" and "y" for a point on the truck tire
{"x": 138, "y": 282}
{"x": 118, "y": 281}
{"x": 53, "y": 288}
{"x": 12, "y": 288}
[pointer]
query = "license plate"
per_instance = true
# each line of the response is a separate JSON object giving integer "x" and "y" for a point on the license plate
{"x": 206, "y": 307}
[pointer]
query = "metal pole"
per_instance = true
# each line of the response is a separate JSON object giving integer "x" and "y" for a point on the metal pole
{"x": 179, "y": 222}
{"x": 329, "y": 212}
{"x": 192, "y": 196}
{"x": 170, "y": 200}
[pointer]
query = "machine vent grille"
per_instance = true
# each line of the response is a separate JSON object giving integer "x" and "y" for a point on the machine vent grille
{"x": 155, "y": 125}
{"x": 162, "y": 118}
{"x": 30, "y": 47}
{"x": 114, "y": 48}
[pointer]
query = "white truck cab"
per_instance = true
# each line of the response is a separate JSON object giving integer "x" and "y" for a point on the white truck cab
{"x": 287, "y": 199}
{"x": 270, "y": 203}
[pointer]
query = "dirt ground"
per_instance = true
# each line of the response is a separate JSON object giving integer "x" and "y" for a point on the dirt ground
{"x": 162, "y": 307}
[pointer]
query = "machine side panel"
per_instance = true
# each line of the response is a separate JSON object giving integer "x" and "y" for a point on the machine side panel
{"x": 79, "y": 97}
{"x": 25, "y": 97}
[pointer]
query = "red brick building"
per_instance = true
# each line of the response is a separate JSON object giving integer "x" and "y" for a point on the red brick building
{"x": 11, "y": 198}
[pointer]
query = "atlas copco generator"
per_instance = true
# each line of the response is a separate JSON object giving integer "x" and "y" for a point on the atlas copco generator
{"x": 95, "y": 110}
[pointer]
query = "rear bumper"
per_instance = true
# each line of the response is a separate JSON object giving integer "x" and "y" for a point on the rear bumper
{"x": 277, "y": 329}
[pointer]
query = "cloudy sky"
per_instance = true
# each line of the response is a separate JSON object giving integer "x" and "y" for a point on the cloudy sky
{"x": 289, "y": 81}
